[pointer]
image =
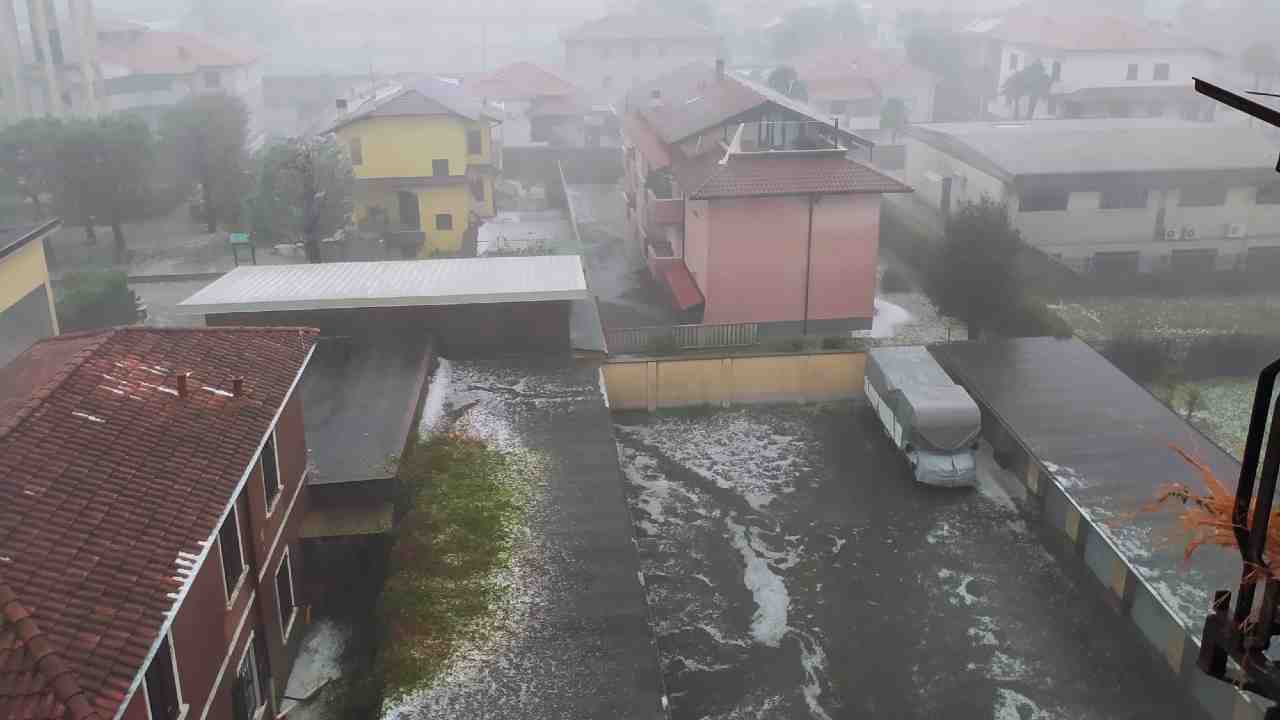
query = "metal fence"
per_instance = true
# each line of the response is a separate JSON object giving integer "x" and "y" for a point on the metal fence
{"x": 681, "y": 337}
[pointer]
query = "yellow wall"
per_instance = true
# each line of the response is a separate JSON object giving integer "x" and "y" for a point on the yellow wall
{"x": 403, "y": 147}
{"x": 653, "y": 384}
{"x": 23, "y": 271}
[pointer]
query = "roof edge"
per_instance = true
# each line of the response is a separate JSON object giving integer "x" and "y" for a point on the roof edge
{"x": 38, "y": 231}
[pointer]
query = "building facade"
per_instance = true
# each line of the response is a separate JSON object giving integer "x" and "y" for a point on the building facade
{"x": 425, "y": 163}
{"x": 1114, "y": 196}
{"x": 853, "y": 85}
{"x": 608, "y": 56}
{"x": 747, "y": 208}
{"x": 1100, "y": 66}
{"x": 27, "y": 309}
{"x": 197, "y": 476}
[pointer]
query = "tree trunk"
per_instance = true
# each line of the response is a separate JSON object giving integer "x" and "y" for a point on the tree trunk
{"x": 117, "y": 236}
{"x": 210, "y": 216}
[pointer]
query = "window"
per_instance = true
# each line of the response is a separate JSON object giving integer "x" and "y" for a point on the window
{"x": 233, "y": 569}
{"x": 271, "y": 472}
{"x": 284, "y": 595}
{"x": 1269, "y": 194}
{"x": 1044, "y": 200}
{"x": 1124, "y": 197}
{"x": 212, "y": 79}
{"x": 838, "y": 107}
{"x": 247, "y": 695}
{"x": 1132, "y": 73}
{"x": 440, "y": 168}
{"x": 1013, "y": 61}
{"x": 356, "y": 149}
{"x": 1057, "y": 71}
{"x": 163, "y": 694}
{"x": 477, "y": 189}
{"x": 475, "y": 144}
{"x": 1202, "y": 196}
{"x": 1161, "y": 72}
{"x": 444, "y": 221}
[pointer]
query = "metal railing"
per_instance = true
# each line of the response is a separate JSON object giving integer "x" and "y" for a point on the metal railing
{"x": 682, "y": 337}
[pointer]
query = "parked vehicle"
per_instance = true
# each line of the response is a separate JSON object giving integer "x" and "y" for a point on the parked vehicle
{"x": 931, "y": 419}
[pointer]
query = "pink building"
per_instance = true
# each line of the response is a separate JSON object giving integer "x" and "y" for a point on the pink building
{"x": 746, "y": 206}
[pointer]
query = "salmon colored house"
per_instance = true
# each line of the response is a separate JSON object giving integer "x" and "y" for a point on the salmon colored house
{"x": 152, "y": 484}
{"x": 747, "y": 207}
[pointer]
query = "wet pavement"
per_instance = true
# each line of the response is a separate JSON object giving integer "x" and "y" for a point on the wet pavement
{"x": 794, "y": 570}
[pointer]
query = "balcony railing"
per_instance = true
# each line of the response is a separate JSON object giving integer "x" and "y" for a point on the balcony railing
{"x": 660, "y": 213}
{"x": 805, "y": 136}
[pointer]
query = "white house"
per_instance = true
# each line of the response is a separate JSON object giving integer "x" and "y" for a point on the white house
{"x": 1122, "y": 196}
{"x": 1101, "y": 66}
{"x": 608, "y": 56}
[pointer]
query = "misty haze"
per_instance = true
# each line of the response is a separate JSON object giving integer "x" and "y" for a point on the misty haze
{"x": 644, "y": 359}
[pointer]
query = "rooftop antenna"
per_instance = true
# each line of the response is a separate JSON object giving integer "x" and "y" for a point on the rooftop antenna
{"x": 1244, "y": 633}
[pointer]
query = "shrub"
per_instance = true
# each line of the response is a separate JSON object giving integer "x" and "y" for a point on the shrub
{"x": 894, "y": 280}
{"x": 836, "y": 342}
{"x": 1147, "y": 360}
{"x": 96, "y": 299}
{"x": 1236, "y": 354}
{"x": 1031, "y": 318}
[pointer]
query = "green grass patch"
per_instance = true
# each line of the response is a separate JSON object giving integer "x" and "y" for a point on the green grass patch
{"x": 1101, "y": 318}
{"x": 464, "y": 506}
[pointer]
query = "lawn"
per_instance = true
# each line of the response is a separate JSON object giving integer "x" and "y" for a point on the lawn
{"x": 1104, "y": 317}
{"x": 1225, "y": 413}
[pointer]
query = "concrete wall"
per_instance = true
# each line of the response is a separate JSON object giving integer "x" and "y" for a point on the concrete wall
{"x": 756, "y": 264}
{"x": 926, "y": 166}
{"x": 606, "y": 69}
{"x": 27, "y": 309}
{"x": 679, "y": 382}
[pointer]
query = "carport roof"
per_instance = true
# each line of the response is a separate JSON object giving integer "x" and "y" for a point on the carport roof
{"x": 394, "y": 283}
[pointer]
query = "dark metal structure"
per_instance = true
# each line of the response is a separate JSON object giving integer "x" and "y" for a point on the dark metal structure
{"x": 1243, "y": 633}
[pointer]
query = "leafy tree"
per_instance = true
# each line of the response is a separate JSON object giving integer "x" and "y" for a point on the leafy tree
{"x": 786, "y": 80}
{"x": 805, "y": 28}
{"x": 28, "y": 157}
{"x": 304, "y": 189}
{"x": 207, "y": 135}
{"x": 1031, "y": 82}
{"x": 975, "y": 277}
{"x": 893, "y": 116}
{"x": 104, "y": 173}
{"x": 102, "y": 298}
{"x": 1260, "y": 60}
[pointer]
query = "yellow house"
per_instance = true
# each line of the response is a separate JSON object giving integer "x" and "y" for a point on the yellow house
{"x": 425, "y": 164}
{"x": 26, "y": 296}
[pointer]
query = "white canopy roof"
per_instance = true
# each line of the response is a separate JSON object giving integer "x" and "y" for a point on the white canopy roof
{"x": 396, "y": 283}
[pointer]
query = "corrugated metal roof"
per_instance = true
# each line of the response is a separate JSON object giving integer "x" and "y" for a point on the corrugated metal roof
{"x": 394, "y": 283}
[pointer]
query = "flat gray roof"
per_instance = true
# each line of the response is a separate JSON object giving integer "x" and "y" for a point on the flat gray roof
{"x": 1057, "y": 147}
{"x": 392, "y": 283}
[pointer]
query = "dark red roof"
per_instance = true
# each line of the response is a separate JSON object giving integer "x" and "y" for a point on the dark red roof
{"x": 111, "y": 488}
{"x": 785, "y": 174}
{"x": 679, "y": 282}
{"x": 520, "y": 81}
{"x": 845, "y": 72}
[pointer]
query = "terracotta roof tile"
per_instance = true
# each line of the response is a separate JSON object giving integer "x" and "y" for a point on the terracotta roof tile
{"x": 520, "y": 81}
{"x": 98, "y": 496}
{"x": 1035, "y": 25}
{"x": 779, "y": 174}
{"x": 156, "y": 52}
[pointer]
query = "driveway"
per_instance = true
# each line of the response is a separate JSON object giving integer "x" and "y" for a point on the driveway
{"x": 794, "y": 570}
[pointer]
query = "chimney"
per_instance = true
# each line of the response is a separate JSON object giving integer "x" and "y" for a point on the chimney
{"x": 182, "y": 384}
{"x": 237, "y": 386}
{"x": 342, "y": 104}
{"x": 719, "y": 69}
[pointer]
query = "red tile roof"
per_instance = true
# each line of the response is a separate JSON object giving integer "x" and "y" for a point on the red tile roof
{"x": 783, "y": 174}
{"x": 853, "y": 73}
{"x": 111, "y": 489}
{"x": 520, "y": 81}
{"x": 1034, "y": 25}
{"x": 172, "y": 53}
{"x": 647, "y": 143}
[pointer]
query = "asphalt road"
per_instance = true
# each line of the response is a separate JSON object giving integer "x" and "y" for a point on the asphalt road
{"x": 794, "y": 570}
